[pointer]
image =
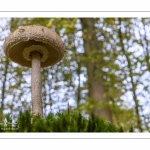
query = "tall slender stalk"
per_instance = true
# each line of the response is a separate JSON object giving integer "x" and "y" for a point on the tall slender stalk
{"x": 37, "y": 108}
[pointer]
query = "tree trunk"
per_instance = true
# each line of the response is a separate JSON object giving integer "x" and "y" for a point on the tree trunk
{"x": 4, "y": 87}
{"x": 135, "y": 98}
{"x": 96, "y": 87}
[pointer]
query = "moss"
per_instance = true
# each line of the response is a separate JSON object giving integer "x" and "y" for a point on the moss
{"x": 62, "y": 122}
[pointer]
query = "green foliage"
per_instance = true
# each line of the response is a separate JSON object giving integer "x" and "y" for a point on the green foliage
{"x": 92, "y": 104}
{"x": 61, "y": 122}
{"x": 24, "y": 122}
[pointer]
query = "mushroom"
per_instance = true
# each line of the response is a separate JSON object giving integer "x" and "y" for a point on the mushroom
{"x": 34, "y": 46}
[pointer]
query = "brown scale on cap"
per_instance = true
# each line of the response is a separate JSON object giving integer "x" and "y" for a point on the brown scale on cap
{"x": 19, "y": 45}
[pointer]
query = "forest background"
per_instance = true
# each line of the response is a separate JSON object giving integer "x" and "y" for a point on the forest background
{"x": 106, "y": 70}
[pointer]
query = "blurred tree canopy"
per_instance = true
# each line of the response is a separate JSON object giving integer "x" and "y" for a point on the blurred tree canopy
{"x": 105, "y": 71}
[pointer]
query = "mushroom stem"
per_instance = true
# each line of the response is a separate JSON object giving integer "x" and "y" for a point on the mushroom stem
{"x": 37, "y": 108}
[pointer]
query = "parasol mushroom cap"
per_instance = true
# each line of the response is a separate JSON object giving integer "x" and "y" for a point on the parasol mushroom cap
{"x": 19, "y": 45}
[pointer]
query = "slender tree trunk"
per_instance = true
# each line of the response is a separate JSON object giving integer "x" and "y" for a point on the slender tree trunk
{"x": 132, "y": 82}
{"x": 96, "y": 87}
{"x": 4, "y": 87}
{"x": 79, "y": 80}
{"x": 49, "y": 83}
